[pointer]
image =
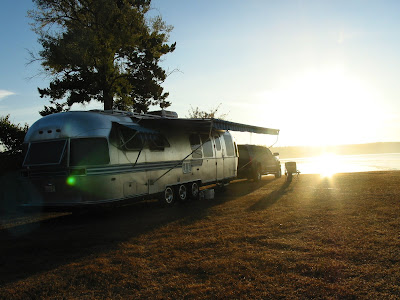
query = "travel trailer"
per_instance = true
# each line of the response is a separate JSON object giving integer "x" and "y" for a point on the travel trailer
{"x": 86, "y": 158}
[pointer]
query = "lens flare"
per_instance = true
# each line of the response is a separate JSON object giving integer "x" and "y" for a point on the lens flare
{"x": 71, "y": 180}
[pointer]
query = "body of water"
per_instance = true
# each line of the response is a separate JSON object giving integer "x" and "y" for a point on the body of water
{"x": 329, "y": 163}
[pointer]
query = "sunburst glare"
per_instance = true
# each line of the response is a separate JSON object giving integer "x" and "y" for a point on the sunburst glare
{"x": 327, "y": 165}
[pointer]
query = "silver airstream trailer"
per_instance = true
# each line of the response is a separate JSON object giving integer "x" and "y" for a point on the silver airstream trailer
{"x": 85, "y": 158}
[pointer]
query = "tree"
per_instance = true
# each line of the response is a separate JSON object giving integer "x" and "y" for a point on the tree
{"x": 197, "y": 113}
{"x": 11, "y": 136}
{"x": 106, "y": 50}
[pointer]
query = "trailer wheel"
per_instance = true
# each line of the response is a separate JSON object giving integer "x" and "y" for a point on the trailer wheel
{"x": 194, "y": 191}
{"x": 168, "y": 196}
{"x": 182, "y": 193}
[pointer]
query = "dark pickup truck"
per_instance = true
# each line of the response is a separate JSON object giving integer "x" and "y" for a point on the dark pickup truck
{"x": 255, "y": 161}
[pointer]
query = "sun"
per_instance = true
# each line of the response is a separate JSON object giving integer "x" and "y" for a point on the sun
{"x": 327, "y": 165}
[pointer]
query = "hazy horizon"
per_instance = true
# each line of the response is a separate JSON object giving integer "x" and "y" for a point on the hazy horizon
{"x": 347, "y": 149}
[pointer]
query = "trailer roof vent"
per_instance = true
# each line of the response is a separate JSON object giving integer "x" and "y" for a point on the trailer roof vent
{"x": 164, "y": 113}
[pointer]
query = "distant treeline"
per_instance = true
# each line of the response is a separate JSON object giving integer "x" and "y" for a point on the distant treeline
{"x": 307, "y": 151}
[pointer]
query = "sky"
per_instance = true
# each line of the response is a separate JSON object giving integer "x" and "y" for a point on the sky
{"x": 323, "y": 72}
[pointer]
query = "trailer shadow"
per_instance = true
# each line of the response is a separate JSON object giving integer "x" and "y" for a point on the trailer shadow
{"x": 47, "y": 244}
{"x": 270, "y": 199}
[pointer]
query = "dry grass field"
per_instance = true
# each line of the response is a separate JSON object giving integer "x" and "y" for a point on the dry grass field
{"x": 335, "y": 238}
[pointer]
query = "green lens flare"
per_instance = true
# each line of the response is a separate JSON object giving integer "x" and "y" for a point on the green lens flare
{"x": 71, "y": 180}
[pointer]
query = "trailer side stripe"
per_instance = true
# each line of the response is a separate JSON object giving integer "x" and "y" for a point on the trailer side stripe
{"x": 141, "y": 167}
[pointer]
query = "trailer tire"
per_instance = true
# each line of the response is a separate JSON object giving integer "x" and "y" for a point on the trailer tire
{"x": 182, "y": 193}
{"x": 194, "y": 191}
{"x": 168, "y": 197}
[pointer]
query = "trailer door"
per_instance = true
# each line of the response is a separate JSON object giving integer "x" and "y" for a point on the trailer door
{"x": 230, "y": 157}
{"x": 208, "y": 167}
{"x": 219, "y": 160}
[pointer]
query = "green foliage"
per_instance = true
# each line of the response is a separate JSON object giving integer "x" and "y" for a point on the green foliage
{"x": 197, "y": 113}
{"x": 105, "y": 50}
{"x": 56, "y": 108}
{"x": 11, "y": 136}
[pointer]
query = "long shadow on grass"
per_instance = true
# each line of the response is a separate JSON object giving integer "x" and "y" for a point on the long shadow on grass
{"x": 271, "y": 198}
{"x": 44, "y": 245}
{"x": 236, "y": 190}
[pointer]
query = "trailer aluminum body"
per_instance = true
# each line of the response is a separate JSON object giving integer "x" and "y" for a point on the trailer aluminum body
{"x": 87, "y": 158}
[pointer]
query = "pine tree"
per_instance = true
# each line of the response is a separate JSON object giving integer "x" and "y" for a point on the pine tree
{"x": 105, "y": 50}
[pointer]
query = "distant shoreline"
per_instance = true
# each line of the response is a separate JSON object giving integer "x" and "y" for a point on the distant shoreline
{"x": 356, "y": 149}
{"x": 345, "y": 155}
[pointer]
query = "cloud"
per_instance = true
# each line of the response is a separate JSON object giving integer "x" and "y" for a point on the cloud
{"x": 4, "y": 93}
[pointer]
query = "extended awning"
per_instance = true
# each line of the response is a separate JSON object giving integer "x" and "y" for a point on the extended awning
{"x": 226, "y": 125}
{"x": 204, "y": 125}
{"x": 139, "y": 128}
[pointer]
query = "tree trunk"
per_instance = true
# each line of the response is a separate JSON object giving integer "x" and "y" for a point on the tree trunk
{"x": 108, "y": 100}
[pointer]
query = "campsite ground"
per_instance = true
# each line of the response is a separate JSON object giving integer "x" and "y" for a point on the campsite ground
{"x": 312, "y": 238}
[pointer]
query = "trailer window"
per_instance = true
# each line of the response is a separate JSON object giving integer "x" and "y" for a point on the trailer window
{"x": 89, "y": 151}
{"x": 45, "y": 153}
{"x": 229, "y": 145}
{"x": 156, "y": 141}
{"x": 207, "y": 146}
{"x": 130, "y": 139}
{"x": 196, "y": 146}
